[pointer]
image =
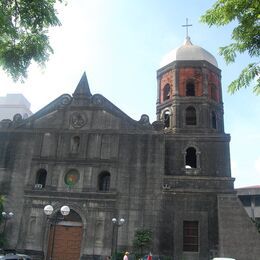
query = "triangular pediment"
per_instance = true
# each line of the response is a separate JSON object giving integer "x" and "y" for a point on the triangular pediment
{"x": 82, "y": 111}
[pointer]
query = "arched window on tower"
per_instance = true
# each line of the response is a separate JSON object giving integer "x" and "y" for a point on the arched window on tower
{"x": 213, "y": 120}
{"x": 104, "y": 181}
{"x": 190, "y": 115}
{"x": 166, "y": 92}
{"x": 190, "y": 89}
{"x": 166, "y": 119}
{"x": 191, "y": 158}
{"x": 40, "y": 179}
{"x": 214, "y": 95}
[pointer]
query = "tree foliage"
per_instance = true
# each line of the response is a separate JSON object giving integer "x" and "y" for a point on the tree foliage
{"x": 142, "y": 239}
{"x": 24, "y": 28}
{"x": 245, "y": 37}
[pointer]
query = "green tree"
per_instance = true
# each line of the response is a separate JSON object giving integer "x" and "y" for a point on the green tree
{"x": 24, "y": 38}
{"x": 142, "y": 239}
{"x": 245, "y": 37}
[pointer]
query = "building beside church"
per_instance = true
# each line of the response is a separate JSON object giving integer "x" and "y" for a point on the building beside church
{"x": 13, "y": 104}
{"x": 250, "y": 198}
{"x": 171, "y": 176}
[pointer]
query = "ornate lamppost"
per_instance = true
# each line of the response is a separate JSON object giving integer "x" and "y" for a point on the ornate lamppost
{"x": 116, "y": 224}
{"x": 48, "y": 210}
{"x": 6, "y": 216}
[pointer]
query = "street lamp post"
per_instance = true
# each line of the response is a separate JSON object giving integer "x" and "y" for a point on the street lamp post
{"x": 6, "y": 216}
{"x": 116, "y": 224}
{"x": 48, "y": 210}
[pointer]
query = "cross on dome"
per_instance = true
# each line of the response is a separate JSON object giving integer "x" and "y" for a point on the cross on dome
{"x": 187, "y": 27}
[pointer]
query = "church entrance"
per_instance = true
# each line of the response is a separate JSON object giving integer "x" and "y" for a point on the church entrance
{"x": 65, "y": 238}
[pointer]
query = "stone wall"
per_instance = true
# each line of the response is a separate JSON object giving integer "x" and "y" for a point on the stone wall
{"x": 238, "y": 236}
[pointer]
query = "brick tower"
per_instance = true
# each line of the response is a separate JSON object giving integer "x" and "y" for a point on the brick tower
{"x": 196, "y": 159}
{"x": 189, "y": 91}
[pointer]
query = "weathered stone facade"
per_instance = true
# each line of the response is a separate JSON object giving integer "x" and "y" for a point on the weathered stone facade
{"x": 172, "y": 176}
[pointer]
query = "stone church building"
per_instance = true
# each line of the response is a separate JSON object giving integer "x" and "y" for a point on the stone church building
{"x": 171, "y": 176}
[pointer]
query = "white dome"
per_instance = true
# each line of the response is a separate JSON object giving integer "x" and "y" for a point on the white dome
{"x": 188, "y": 51}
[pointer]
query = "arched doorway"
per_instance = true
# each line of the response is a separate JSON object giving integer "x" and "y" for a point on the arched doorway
{"x": 65, "y": 237}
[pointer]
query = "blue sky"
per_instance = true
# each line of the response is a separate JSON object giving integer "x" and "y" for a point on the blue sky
{"x": 119, "y": 43}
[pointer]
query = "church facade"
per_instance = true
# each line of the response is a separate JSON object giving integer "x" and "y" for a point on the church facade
{"x": 171, "y": 176}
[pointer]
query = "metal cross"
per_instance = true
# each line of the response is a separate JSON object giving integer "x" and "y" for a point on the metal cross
{"x": 187, "y": 25}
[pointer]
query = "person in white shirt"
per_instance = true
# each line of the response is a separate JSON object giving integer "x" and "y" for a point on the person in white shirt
{"x": 126, "y": 256}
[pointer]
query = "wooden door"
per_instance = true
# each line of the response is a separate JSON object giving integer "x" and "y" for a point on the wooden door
{"x": 67, "y": 243}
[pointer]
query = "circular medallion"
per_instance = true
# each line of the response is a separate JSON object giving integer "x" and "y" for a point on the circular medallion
{"x": 71, "y": 177}
{"x": 78, "y": 120}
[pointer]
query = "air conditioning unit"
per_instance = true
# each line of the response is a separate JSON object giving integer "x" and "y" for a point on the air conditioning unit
{"x": 38, "y": 186}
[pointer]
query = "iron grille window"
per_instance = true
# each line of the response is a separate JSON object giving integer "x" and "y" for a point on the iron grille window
{"x": 191, "y": 236}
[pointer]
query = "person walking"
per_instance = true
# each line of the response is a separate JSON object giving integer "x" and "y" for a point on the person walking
{"x": 126, "y": 256}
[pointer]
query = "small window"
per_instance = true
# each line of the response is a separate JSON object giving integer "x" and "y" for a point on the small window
{"x": 166, "y": 92}
{"x": 191, "y": 116}
{"x": 166, "y": 119}
{"x": 191, "y": 158}
{"x": 213, "y": 120}
{"x": 75, "y": 141}
{"x": 190, "y": 236}
{"x": 104, "y": 181}
{"x": 41, "y": 176}
{"x": 190, "y": 89}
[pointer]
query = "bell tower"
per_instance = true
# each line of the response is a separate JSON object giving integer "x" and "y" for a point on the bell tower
{"x": 196, "y": 156}
{"x": 189, "y": 103}
{"x": 189, "y": 91}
